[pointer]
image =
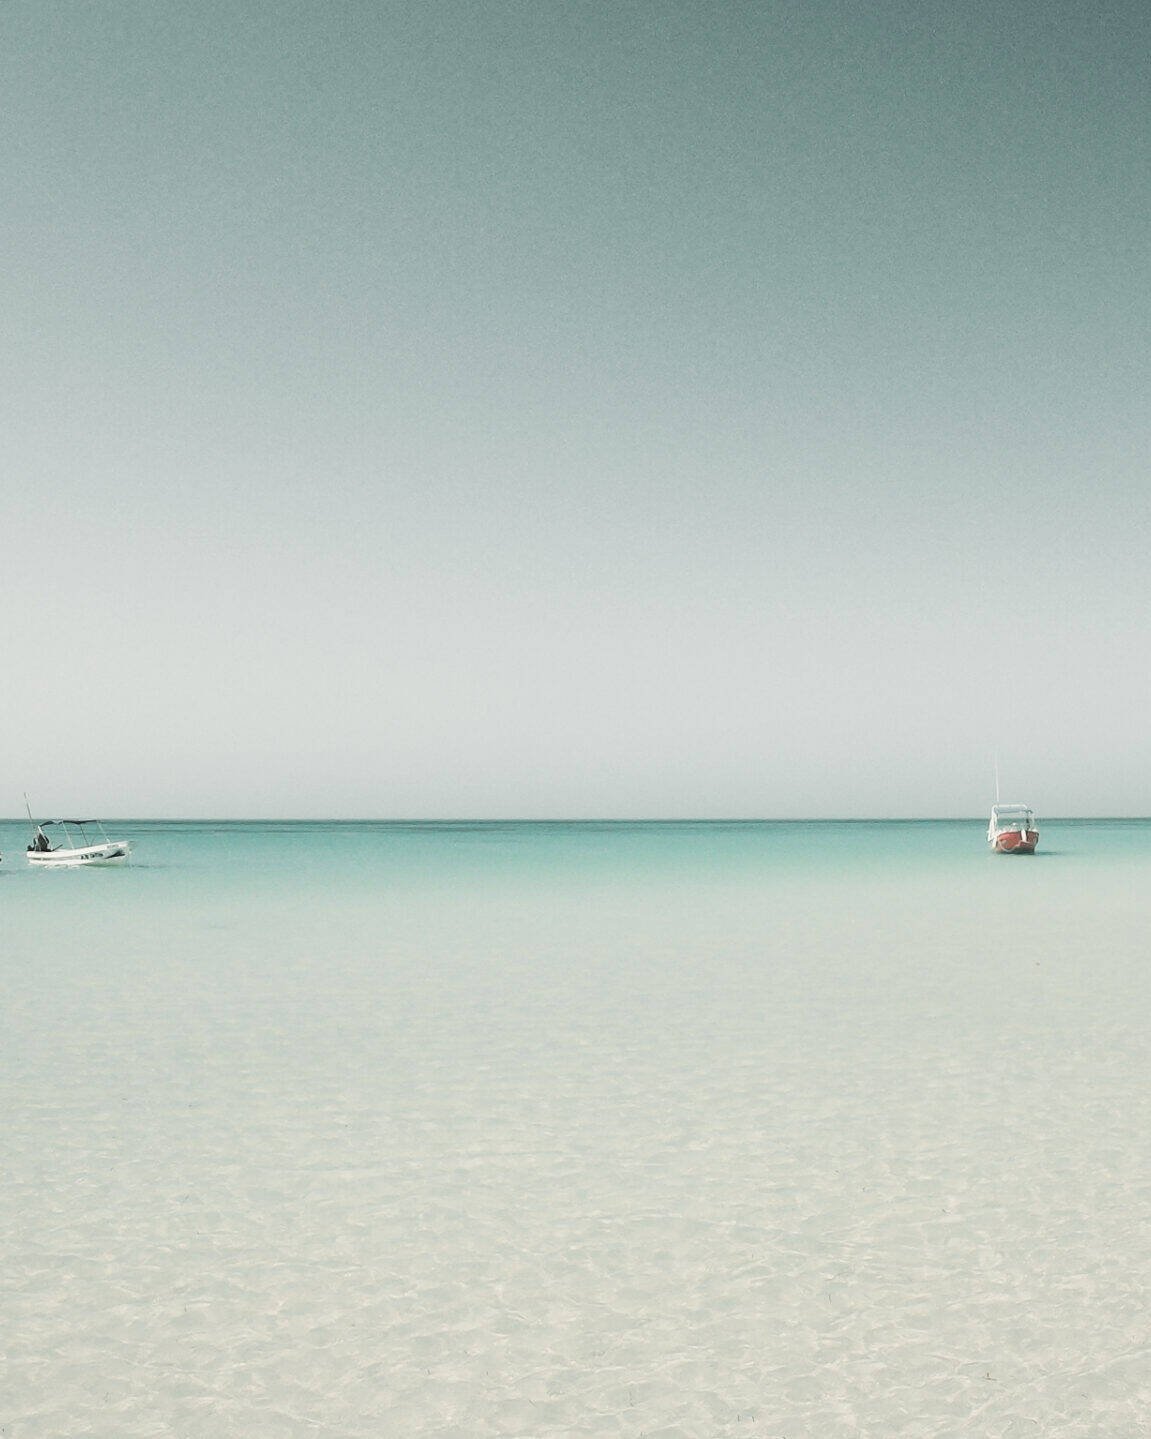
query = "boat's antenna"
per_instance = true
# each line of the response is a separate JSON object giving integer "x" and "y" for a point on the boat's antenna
{"x": 996, "y": 779}
{"x": 28, "y": 807}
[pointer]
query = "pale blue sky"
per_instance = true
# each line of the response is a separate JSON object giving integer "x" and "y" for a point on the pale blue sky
{"x": 569, "y": 409}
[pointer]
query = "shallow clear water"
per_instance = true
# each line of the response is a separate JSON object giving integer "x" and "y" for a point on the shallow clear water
{"x": 521, "y": 1129}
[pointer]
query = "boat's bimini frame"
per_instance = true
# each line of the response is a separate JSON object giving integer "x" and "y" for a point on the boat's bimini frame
{"x": 101, "y": 851}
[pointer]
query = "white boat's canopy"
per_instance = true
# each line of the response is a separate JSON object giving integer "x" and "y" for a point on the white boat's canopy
{"x": 1005, "y": 813}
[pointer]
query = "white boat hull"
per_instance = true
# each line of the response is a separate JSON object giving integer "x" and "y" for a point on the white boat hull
{"x": 114, "y": 852}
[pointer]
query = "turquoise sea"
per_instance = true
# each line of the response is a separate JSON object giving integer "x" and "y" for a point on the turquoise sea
{"x": 542, "y": 1129}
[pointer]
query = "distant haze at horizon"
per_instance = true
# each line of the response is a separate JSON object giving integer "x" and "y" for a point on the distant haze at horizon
{"x": 539, "y": 411}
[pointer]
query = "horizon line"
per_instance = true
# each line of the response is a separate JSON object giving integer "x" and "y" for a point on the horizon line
{"x": 588, "y": 819}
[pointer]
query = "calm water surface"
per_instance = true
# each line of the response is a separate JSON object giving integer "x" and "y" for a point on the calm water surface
{"x": 547, "y": 1129}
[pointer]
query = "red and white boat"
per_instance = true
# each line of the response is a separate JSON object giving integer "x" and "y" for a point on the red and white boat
{"x": 1012, "y": 829}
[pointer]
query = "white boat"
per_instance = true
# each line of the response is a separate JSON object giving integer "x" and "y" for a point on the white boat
{"x": 87, "y": 851}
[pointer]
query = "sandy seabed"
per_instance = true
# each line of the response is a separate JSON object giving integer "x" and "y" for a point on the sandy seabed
{"x": 821, "y": 1160}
